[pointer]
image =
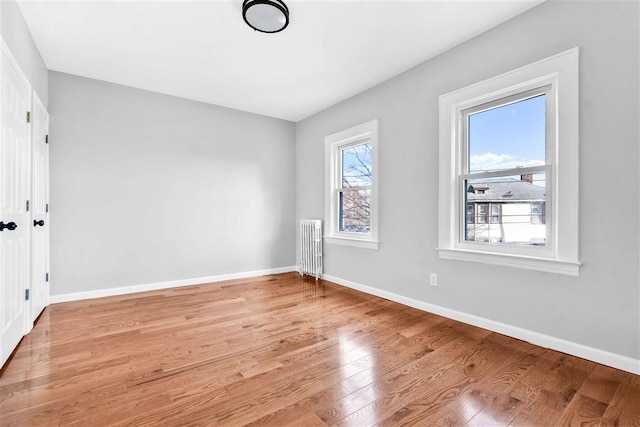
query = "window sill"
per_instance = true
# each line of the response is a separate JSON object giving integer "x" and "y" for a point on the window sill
{"x": 570, "y": 268}
{"x": 345, "y": 241}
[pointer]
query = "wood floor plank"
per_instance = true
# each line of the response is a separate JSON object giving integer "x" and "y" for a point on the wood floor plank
{"x": 535, "y": 414}
{"x": 620, "y": 412}
{"x": 282, "y": 350}
{"x": 582, "y": 411}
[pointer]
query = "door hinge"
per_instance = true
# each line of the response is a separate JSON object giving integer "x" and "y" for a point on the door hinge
{"x": 28, "y": 116}
{"x": 27, "y": 206}
{"x": 46, "y": 139}
{"x": 46, "y": 208}
{"x": 26, "y": 294}
{"x": 46, "y": 277}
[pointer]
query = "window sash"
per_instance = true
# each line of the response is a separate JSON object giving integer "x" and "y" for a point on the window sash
{"x": 466, "y": 174}
{"x": 500, "y": 102}
{"x": 463, "y": 201}
{"x": 340, "y": 163}
{"x": 341, "y": 211}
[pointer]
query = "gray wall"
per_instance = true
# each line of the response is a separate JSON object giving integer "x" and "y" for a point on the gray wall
{"x": 148, "y": 188}
{"x": 17, "y": 36}
{"x": 600, "y": 308}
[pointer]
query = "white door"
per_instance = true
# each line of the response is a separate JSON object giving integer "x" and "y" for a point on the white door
{"x": 14, "y": 191}
{"x": 39, "y": 209}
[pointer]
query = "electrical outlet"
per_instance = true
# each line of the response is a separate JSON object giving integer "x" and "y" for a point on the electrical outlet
{"x": 433, "y": 279}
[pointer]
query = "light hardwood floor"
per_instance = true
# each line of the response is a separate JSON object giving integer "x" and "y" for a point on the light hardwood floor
{"x": 279, "y": 350}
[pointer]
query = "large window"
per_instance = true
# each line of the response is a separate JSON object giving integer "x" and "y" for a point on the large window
{"x": 505, "y": 167}
{"x": 351, "y": 214}
{"x": 509, "y": 168}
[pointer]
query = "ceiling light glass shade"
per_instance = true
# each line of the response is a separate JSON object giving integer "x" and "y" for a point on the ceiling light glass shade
{"x": 268, "y": 16}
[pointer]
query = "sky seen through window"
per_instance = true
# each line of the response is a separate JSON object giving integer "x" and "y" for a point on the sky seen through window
{"x": 508, "y": 136}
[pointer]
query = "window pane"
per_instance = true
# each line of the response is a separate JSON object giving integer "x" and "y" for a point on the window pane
{"x": 356, "y": 165}
{"x": 470, "y": 213}
{"x": 482, "y": 210}
{"x": 355, "y": 215}
{"x": 537, "y": 213}
{"x": 508, "y": 136}
{"x": 507, "y": 210}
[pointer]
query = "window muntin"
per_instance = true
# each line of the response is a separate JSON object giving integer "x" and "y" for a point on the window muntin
{"x": 351, "y": 186}
{"x": 505, "y": 168}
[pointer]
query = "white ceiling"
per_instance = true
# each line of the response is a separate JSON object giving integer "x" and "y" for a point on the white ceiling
{"x": 203, "y": 50}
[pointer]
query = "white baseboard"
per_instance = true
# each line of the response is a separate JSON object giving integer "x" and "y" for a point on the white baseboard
{"x": 614, "y": 360}
{"x": 76, "y": 296}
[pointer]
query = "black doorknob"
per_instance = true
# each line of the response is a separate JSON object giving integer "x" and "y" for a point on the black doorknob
{"x": 11, "y": 226}
{"x": 40, "y": 223}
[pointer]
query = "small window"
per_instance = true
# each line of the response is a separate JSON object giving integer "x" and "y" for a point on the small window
{"x": 496, "y": 213}
{"x": 537, "y": 213}
{"x": 471, "y": 213}
{"x": 482, "y": 213}
{"x": 351, "y": 190}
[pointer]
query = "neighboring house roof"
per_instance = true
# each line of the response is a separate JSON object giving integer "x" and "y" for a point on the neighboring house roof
{"x": 504, "y": 190}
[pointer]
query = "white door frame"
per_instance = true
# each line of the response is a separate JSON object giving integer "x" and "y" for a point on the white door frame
{"x": 39, "y": 211}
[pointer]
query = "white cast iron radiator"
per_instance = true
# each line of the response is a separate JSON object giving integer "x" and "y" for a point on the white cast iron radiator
{"x": 311, "y": 247}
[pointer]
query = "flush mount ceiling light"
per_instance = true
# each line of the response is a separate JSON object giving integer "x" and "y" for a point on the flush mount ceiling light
{"x": 267, "y": 16}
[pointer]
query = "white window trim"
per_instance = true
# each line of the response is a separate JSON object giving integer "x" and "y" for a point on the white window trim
{"x": 333, "y": 143}
{"x": 561, "y": 253}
